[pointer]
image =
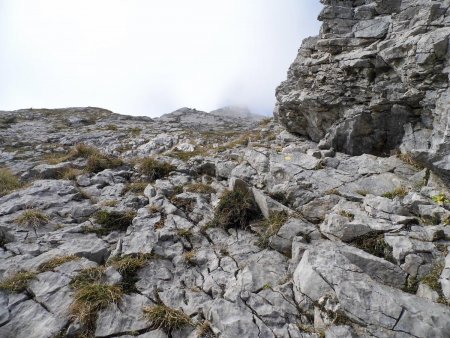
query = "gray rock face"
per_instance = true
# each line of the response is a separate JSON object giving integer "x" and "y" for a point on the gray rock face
{"x": 374, "y": 80}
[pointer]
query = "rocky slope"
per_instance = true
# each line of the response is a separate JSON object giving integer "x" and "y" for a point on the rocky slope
{"x": 118, "y": 226}
{"x": 374, "y": 80}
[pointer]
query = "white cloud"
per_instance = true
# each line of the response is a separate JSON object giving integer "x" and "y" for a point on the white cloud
{"x": 148, "y": 57}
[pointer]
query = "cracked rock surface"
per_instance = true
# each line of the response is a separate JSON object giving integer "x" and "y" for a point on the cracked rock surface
{"x": 359, "y": 248}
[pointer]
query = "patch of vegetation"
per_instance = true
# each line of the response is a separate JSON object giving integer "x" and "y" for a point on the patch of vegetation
{"x": 128, "y": 267}
{"x": 408, "y": 158}
{"x": 236, "y": 208}
{"x": 347, "y": 214}
{"x": 185, "y": 233}
{"x": 88, "y": 276}
{"x": 18, "y": 282}
{"x": 71, "y": 174}
{"x": 441, "y": 199}
{"x": 114, "y": 220}
{"x": 111, "y": 127}
{"x": 162, "y": 221}
{"x": 110, "y": 203}
{"x": 55, "y": 262}
{"x": 397, "y": 192}
{"x": 265, "y": 122}
{"x": 155, "y": 169}
{"x": 362, "y": 192}
{"x": 91, "y": 298}
{"x": 8, "y": 182}
{"x": 411, "y": 285}
{"x": 200, "y": 188}
{"x": 82, "y": 150}
{"x": 281, "y": 197}
{"x": 272, "y": 225}
{"x": 186, "y": 155}
{"x": 189, "y": 257}
{"x": 136, "y": 187}
{"x": 432, "y": 280}
{"x": 185, "y": 204}
{"x": 374, "y": 244}
{"x": 135, "y": 131}
{"x": 204, "y": 330}
{"x": 33, "y": 218}
{"x": 165, "y": 318}
{"x": 99, "y": 162}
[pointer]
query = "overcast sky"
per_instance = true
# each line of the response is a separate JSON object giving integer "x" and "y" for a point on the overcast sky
{"x": 149, "y": 57}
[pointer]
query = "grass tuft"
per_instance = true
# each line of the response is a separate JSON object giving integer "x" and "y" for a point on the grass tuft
{"x": 165, "y": 318}
{"x": 347, "y": 214}
{"x": 88, "y": 276}
{"x": 236, "y": 208}
{"x": 17, "y": 282}
{"x": 91, "y": 298}
{"x": 397, "y": 192}
{"x": 155, "y": 169}
{"x": 375, "y": 245}
{"x": 136, "y": 187}
{"x": 32, "y": 218}
{"x": 272, "y": 225}
{"x": 114, "y": 220}
{"x": 8, "y": 182}
{"x": 441, "y": 199}
{"x": 99, "y": 162}
{"x": 55, "y": 262}
{"x": 200, "y": 188}
{"x": 204, "y": 330}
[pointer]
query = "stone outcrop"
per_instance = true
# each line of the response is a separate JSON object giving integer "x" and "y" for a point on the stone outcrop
{"x": 374, "y": 80}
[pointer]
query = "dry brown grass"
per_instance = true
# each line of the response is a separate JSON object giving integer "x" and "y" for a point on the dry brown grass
{"x": 165, "y": 318}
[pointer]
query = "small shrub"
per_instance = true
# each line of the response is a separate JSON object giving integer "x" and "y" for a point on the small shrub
{"x": 375, "y": 245}
{"x": 347, "y": 214}
{"x": 200, "y": 188}
{"x": 17, "y": 282}
{"x": 32, "y": 218}
{"x": 155, "y": 169}
{"x": 236, "y": 208}
{"x": 71, "y": 174}
{"x": 114, "y": 220}
{"x": 165, "y": 318}
{"x": 441, "y": 199}
{"x": 91, "y": 298}
{"x": 88, "y": 276}
{"x": 397, "y": 192}
{"x": 99, "y": 162}
{"x": 55, "y": 262}
{"x": 8, "y": 182}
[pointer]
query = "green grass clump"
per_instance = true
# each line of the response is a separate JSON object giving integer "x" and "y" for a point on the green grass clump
{"x": 347, "y": 214}
{"x": 112, "y": 127}
{"x": 32, "y": 218}
{"x": 136, "y": 187}
{"x": 128, "y": 267}
{"x": 397, "y": 192}
{"x": 135, "y": 131}
{"x": 165, "y": 318}
{"x": 236, "y": 208}
{"x": 155, "y": 169}
{"x": 271, "y": 226}
{"x": 99, "y": 162}
{"x": 91, "y": 298}
{"x": 200, "y": 188}
{"x": 432, "y": 279}
{"x": 7, "y": 121}
{"x": 8, "y": 182}
{"x": 441, "y": 199}
{"x": 55, "y": 262}
{"x": 204, "y": 330}
{"x": 375, "y": 245}
{"x": 82, "y": 150}
{"x": 88, "y": 276}
{"x": 114, "y": 220}
{"x": 17, "y": 282}
{"x": 185, "y": 233}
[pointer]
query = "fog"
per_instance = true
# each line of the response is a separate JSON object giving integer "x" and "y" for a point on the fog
{"x": 149, "y": 57}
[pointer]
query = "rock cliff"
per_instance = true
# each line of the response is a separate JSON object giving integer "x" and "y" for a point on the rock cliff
{"x": 374, "y": 81}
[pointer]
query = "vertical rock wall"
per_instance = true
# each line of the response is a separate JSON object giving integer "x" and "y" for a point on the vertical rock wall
{"x": 374, "y": 80}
